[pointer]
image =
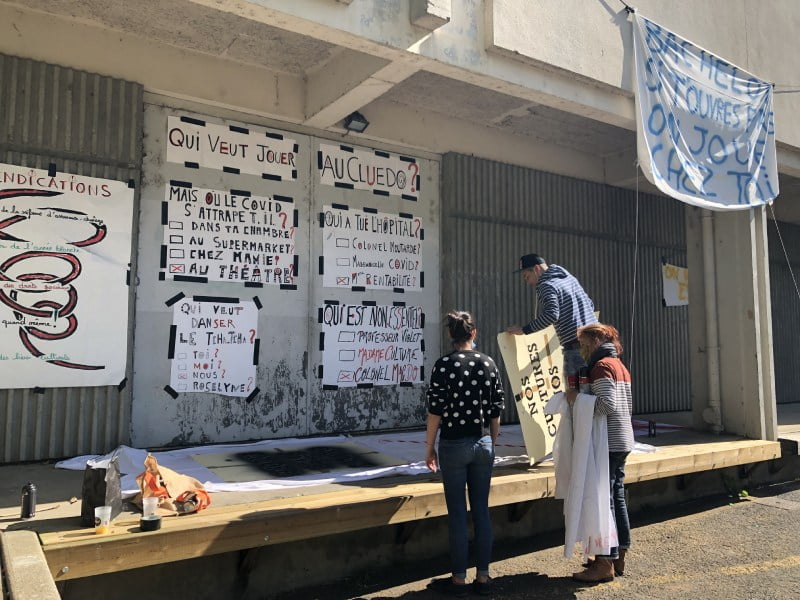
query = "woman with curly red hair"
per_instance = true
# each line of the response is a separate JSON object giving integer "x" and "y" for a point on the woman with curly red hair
{"x": 611, "y": 385}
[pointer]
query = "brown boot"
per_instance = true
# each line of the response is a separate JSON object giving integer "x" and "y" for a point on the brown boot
{"x": 601, "y": 571}
{"x": 619, "y": 564}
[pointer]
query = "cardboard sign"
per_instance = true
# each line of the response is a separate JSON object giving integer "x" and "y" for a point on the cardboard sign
{"x": 676, "y": 285}
{"x": 534, "y": 364}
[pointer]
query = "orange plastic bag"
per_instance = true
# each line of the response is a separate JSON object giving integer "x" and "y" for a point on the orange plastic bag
{"x": 178, "y": 493}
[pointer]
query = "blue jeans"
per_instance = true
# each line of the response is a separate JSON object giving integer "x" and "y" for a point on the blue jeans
{"x": 616, "y": 472}
{"x": 467, "y": 463}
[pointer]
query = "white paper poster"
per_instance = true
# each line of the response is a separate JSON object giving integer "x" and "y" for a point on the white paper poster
{"x": 382, "y": 173}
{"x": 706, "y": 131}
{"x": 371, "y": 250}
{"x": 365, "y": 345}
{"x": 676, "y": 285}
{"x": 217, "y": 235}
{"x": 65, "y": 247}
{"x": 231, "y": 148}
{"x": 214, "y": 347}
{"x": 534, "y": 366}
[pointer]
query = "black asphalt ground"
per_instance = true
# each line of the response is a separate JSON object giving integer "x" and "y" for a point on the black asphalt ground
{"x": 721, "y": 548}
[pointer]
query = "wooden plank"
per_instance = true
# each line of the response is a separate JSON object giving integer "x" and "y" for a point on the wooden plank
{"x": 81, "y": 553}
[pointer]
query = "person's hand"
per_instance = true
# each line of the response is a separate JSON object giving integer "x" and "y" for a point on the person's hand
{"x": 571, "y": 395}
{"x": 514, "y": 330}
{"x": 431, "y": 460}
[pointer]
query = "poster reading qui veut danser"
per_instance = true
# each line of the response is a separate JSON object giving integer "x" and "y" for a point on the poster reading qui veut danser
{"x": 214, "y": 346}
{"x": 65, "y": 244}
{"x": 371, "y": 344}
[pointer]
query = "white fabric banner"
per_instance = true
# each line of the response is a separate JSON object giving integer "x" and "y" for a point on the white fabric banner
{"x": 706, "y": 131}
{"x": 65, "y": 247}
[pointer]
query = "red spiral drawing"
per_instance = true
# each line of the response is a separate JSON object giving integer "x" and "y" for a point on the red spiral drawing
{"x": 45, "y": 308}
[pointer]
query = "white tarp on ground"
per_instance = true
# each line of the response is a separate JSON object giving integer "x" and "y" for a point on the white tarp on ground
{"x": 407, "y": 447}
{"x": 705, "y": 131}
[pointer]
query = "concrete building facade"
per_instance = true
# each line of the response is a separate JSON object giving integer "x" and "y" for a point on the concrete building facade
{"x": 517, "y": 117}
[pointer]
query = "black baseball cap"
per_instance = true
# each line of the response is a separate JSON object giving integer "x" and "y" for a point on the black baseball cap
{"x": 530, "y": 260}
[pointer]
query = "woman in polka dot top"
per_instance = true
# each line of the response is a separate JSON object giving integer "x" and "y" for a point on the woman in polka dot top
{"x": 465, "y": 399}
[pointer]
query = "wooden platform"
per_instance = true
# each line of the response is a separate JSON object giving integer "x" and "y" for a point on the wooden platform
{"x": 73, "y": 553}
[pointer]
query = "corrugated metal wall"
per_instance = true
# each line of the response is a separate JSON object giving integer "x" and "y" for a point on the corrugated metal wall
{"x": 89, "y": 125}
{"x": 492, "y": 213}
{"x": 785, "y": 309}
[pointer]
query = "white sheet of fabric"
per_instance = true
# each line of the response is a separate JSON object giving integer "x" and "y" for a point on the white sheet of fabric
{"x": 580, "y": 455}
{"x": 407, "y": 446}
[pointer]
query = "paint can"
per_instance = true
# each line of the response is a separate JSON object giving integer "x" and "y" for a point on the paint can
{"x": 28, "y": 501}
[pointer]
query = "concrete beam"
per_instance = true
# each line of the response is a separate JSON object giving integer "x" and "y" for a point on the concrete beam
{"x": 25, "y": 567}
{"x": 435, "y": 132}
{"x": 430, "y": 14}
{"x": 347, "y": 83}
{"x": 364, "y": 32}
{"x": 159, "y": 67}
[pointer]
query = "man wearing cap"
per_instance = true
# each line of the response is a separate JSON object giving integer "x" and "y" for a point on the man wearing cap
{"x": 562, "y": 303}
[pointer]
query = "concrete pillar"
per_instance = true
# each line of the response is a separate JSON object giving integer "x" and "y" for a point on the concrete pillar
{"x": 742, "y": 304}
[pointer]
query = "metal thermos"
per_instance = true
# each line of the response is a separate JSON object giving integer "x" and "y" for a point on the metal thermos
{"x": 28, "y": 503}
{"x": 583, "y": 381}
{"x": 572, "y": 382}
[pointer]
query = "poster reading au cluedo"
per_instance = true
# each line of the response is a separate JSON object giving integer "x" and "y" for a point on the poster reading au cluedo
{"x": 214, "y": 346}
{"x": 371, "y": 250}
{"x": 228, "y": 235}
{"x": 370, "y": 345}
{"x": 382, "y": 173}
{"x": 65, "y": 246}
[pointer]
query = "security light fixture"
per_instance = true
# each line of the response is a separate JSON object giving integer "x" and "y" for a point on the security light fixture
{"x": 355, "y": 121}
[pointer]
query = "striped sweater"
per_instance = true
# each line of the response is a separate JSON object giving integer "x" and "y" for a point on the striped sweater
{"x": 611, "y": 384}
{"x": 563, "y": 303}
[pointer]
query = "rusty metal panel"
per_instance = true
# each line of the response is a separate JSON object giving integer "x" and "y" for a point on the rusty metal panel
{"x": 90, "y": 125}
{"x": 784, "y": 275}
{"x": 492, "y": 213}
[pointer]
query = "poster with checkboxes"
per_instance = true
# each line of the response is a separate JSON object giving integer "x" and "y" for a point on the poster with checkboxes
{"x": 367, "y": 345}
{"x": 228, "y": 235}
{"x": 214, "y": 346}
{"x": 364, "y": 249}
